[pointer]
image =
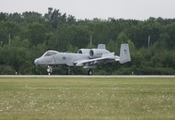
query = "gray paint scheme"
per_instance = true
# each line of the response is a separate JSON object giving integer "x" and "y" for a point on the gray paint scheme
{"x": 85, "y": 58}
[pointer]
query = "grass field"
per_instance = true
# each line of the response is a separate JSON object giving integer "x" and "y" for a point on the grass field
{"x": 87, "y": 98}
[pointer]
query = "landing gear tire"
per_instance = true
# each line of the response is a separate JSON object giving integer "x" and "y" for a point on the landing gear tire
{"x": 90, "y": 72}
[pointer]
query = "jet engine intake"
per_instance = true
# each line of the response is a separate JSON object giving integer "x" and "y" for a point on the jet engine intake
{"x": 83, "y": 51}
{"x": 97, "y": 53}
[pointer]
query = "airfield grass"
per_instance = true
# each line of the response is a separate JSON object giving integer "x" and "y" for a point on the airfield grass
{"x": 87, "y": 98}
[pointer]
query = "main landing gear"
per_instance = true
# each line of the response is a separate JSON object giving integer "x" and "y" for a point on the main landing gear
{"x": 69, "y": 71}
{"x": 90, "y": 72}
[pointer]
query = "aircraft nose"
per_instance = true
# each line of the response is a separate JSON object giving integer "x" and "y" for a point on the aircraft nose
{"x": 36, "y": 62}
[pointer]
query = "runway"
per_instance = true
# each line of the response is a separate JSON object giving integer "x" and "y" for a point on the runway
{"x": 90, "y": 76}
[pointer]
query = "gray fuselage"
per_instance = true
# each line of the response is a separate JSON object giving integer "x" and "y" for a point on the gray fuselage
{"x": 61, "y": 59}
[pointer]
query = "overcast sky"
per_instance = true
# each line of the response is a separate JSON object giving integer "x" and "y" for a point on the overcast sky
{"x": 81, "y": 9}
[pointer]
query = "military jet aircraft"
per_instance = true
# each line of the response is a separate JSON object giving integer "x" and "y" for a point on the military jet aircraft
{"x": 86, "y": 58}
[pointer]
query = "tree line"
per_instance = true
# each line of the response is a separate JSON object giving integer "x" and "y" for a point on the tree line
{"x": 25, "y": 37}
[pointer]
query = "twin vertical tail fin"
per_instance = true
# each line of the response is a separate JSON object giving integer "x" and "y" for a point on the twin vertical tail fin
{"x": 124, "y": 54}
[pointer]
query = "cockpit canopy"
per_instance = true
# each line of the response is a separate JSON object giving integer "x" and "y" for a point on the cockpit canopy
{"x": 49, "y": 53}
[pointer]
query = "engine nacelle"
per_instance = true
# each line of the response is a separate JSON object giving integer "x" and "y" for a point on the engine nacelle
{"x": 97, "y": 53}
{"x": 83, "y": 51}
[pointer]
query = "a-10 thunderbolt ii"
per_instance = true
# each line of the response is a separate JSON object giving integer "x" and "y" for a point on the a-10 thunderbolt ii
{"x": 86, "y": 58}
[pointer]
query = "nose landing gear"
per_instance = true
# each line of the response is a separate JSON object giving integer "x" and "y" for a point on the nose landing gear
{"x": 49, "y": 70}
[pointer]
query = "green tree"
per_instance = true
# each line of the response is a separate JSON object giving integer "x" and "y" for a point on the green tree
{"x": 36, "y": 33}
{"x": 3, "y": 16}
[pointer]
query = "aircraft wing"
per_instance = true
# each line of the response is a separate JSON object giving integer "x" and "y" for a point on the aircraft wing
{"x": 104, "y": 59}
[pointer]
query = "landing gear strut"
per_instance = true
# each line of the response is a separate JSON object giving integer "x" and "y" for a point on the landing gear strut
{"x": 69, "y": 71}
{"x": 90, "y": 72}
{"x": 49, "y": 70}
